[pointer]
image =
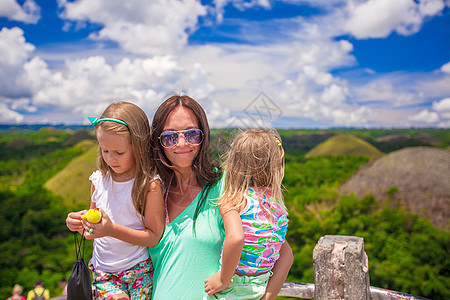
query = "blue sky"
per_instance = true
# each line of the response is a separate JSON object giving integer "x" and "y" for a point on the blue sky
{"x": 286, "y": 63}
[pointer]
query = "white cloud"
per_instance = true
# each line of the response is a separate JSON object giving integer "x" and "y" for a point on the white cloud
{"x": 29, "y": 12}
{"x": 242, "y": 5}
{"x": 443, "y": 108}
{"x": 218, "y": 114}
{"x": 446, "y": 68}
{"x": 14, "y": 52}
{"x": 139, "y": 26}
{"x": 8, "y": 115}
{"x": 295, "y": 67}
{"x": 397, "y": 89}
{"x": 296, "y": 75}
{"x": 22, "y": 104}
{"x": 425, "y": 116}
{"x": 334, "y": 94}
{"x": 86, "y": 83}
{"x": 199, "y": 85}
{"x": 378, "y": 18}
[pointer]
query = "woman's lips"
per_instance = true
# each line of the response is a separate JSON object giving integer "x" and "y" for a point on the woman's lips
{"x": 184, "y": 152}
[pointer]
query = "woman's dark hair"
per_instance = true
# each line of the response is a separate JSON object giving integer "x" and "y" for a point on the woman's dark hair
{"x": 205, "y": 167}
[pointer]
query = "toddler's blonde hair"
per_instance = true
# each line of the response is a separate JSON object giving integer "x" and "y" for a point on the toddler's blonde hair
{"x": 255, "y": 160}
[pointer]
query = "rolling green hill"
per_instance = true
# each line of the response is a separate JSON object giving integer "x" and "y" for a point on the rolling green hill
{"x": 345, "y": 144}
{"x": 72, "y": 182}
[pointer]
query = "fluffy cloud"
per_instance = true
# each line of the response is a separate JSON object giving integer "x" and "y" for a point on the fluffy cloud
{"x": 438, "y": 115}
{"x": 9, "y": 115}
{"x": 443, "y": 108}
{"x": 219, "y": 5}
{"x": 295, "y": 66}
{"x": 378, "y": 18}
{"x": 88, "y": 85}
{"x": 29, "y": 12}
{"x": 14, "y": 52}
{"x": 139, "y": 26}
{"x": 425, "y": 116}
{"x": 296, "y": 75}
{"x": 446, "y": 68}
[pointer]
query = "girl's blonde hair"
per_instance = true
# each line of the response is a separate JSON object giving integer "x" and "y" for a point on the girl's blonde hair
{"x": 255, "y": 160}
{"x": 17, "y": 290}
{"x": 138, "y": 130}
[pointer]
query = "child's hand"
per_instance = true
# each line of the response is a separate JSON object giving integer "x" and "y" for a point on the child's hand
{"x": 97, "y": 230}
{"x": 214, "y": 284}
{"x": 74, "y": 222}
{"x": 93, "y": 215}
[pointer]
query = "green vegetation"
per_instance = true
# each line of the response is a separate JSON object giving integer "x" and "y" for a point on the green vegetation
{"x": 406, "y": 253}
{"x": 35, "y": 241}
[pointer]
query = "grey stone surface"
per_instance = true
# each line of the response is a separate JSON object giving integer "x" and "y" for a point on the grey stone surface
{"x": 341, "y": 268}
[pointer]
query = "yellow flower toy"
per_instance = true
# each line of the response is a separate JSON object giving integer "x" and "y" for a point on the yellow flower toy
{"x": 92, "y": 216}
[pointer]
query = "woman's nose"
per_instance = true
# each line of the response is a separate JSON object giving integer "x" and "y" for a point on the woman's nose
{"x": 181, "y": 140}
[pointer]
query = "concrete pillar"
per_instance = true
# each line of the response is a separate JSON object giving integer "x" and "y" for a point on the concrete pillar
{"x": 341, "y": 269}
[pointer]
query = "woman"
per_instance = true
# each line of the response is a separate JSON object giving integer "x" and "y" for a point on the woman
{"x": 191, "y": 245}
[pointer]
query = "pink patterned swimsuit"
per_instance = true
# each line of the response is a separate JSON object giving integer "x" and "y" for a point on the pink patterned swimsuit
{"x": 262, "y": 237}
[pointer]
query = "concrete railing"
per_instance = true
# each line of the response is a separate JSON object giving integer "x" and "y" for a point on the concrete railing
{"x": 341, "y": 271}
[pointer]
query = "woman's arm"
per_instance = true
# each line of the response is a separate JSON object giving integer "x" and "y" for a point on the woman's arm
{"x": 153, "y": 219}
{"x": 232, "y": 250}
{"x": 280, "y": 272}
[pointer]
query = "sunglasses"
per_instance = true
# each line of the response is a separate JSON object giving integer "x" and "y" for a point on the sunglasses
{"x": 169, "y": 139}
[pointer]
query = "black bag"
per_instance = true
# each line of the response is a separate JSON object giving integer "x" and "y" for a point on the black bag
{"x": 39, "y": 297}
{"x": 79, "y": 286}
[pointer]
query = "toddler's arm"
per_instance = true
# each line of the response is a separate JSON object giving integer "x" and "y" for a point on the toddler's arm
{"x": 154, "y": 219}
{"x": 232, "y": 250}
{"x": 280, "y": 271}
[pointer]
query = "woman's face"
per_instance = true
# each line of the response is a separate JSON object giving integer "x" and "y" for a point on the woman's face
{"x": 182, "y": 154}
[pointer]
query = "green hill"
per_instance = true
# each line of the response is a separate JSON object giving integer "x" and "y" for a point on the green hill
{"x": 79, "y": 136}
{"x": 72, "y": 182}
{"x": 345, "y": 144}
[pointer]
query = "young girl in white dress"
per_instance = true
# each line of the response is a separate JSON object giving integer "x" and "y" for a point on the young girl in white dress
{"x": 129, "y": 194}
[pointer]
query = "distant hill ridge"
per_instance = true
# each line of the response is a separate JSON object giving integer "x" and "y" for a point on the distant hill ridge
{"x": 416, "y": 178}
{"x": 345, "y": 144}
{"x": 33, "y": 127}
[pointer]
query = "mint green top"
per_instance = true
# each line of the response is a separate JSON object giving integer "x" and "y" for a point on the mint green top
{"x": 182, "y": 260}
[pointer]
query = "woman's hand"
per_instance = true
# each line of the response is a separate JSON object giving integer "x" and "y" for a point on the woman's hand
{"x": 214, "y": 284}
{"x": 74, "y": 221}
{"x": 97, "y": 230}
